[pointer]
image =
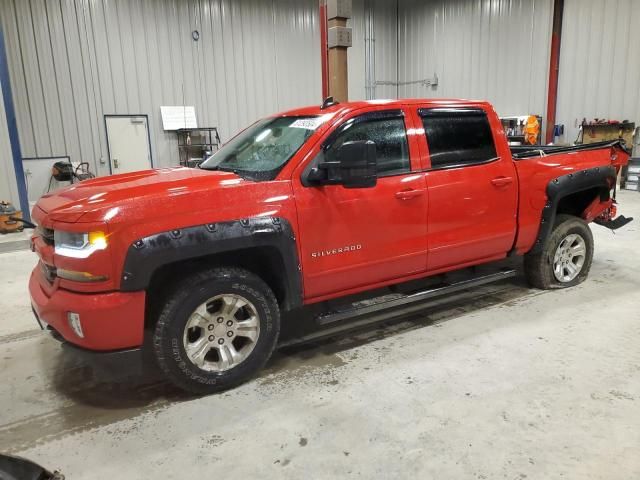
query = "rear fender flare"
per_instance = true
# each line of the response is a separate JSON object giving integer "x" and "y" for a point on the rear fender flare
{"x": 561, "y": 187}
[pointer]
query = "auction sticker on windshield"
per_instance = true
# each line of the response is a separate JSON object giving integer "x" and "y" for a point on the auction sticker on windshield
{"x": 307, "y": 123}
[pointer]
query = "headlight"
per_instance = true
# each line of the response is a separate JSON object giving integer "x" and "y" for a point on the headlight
{"x": 78, "y": 245}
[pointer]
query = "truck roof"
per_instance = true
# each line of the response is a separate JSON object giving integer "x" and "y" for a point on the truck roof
{"x": 350, "y": 106}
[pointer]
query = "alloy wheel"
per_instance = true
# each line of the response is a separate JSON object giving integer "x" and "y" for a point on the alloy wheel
{"x": 569, "y": 258}
{"x": 221, "y": 333}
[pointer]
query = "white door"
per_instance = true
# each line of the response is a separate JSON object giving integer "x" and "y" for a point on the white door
{"x": 128, "y": 140}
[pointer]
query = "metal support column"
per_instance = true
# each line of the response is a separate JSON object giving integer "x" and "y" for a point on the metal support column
{"x": 12, "y": 127}
{"x": 554, "y": 69}
{"x": 324, "y": 60}
{"x": 338, "y": 41}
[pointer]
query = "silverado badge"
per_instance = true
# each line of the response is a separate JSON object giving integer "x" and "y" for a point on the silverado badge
{"x": 335, "y": 251}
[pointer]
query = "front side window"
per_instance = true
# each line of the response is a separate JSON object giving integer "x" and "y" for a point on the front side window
{"x": 458, "y": 137}
{"x": 260, "y": 151}
{"x": 387, "y": 131}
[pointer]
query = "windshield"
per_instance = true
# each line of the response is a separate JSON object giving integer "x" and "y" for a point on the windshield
{"x": 260, "y": 151}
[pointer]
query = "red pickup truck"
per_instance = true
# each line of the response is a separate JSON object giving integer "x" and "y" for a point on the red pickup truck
{"x": 301, "y": 208}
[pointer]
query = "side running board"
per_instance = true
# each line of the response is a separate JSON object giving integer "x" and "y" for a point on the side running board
{"x": 386, "y": 307}
{"x": 414, "y": 298}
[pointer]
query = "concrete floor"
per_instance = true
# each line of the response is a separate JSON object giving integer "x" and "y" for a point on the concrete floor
{"x": 10, "y": 242}
{"x": 511, "y": 383}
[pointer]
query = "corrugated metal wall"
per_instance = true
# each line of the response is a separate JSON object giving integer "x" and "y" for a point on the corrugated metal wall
{"x": 496, "y": 50}
{"x": 599, "y": 62}
{"x": 375, "y": 47}
{"x": 386, "y": 39}
{"x": 357, "y": 53}
{"x": 73, "y": 61}
{"x": 8, "y": 187}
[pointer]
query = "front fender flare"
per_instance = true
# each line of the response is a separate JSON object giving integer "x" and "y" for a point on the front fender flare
{"x": 147, "y": 254}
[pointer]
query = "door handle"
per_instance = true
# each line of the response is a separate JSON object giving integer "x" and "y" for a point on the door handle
{"x": 502, "y": 181}
{"x": 408, "y": 194}
{"x": 115, "y": 163}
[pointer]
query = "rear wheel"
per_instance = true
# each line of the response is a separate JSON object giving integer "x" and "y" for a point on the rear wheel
{"x": 565, "y": 259}
{"x": 217, "y": 330}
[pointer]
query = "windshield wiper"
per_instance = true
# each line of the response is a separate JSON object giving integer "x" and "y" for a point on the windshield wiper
{"x": 218, "y": 168}
{"x": 244, "y": 174}
{"x": 236, "y": 171}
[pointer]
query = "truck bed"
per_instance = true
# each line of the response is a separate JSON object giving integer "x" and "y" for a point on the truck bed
{"x": 520, "y": 152}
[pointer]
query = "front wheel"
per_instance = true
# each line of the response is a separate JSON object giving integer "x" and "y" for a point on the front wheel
{"x": 565, "y": 259}
{"x": 217, "y": 330}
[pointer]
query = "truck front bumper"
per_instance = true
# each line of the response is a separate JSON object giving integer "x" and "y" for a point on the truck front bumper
{"x": 108, "y": 321}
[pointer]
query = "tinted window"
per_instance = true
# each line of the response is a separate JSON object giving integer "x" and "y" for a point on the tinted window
{"x": 389, "y": 135}
{"x": 458, "y": 137}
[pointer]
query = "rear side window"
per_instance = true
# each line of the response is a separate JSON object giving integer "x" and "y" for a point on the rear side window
{"x": 458, "y": 137}
{"x": 386, "y": 129}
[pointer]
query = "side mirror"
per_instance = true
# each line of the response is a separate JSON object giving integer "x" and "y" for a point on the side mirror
{"x": 354, "y": 166}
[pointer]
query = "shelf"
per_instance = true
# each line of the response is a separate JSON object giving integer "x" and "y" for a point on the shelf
{"x": 207, "y": 138}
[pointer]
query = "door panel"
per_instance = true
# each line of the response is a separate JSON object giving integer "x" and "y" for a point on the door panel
{"x": 470, "y": 218}
{"x": 472, "y": 188}
{"x": 128, "y": 142}
{"x": 352, "y": 238}
{"x": 355, "y": 237}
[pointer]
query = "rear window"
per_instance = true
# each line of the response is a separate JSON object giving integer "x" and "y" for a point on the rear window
{"x": 458, "y": 137}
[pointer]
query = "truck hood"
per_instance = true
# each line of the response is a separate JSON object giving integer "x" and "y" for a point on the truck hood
{"x": 92, "y": 200}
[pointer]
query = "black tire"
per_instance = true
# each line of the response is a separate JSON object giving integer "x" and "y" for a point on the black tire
{"x": 193, "y": 292}
{"x": 538, "y": 267}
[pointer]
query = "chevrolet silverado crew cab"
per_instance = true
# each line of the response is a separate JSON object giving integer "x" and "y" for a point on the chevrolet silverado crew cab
{"x": 302, "y": 208}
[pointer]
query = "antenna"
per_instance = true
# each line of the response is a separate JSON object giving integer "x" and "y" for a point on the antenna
{"x": 328, "y": 102}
